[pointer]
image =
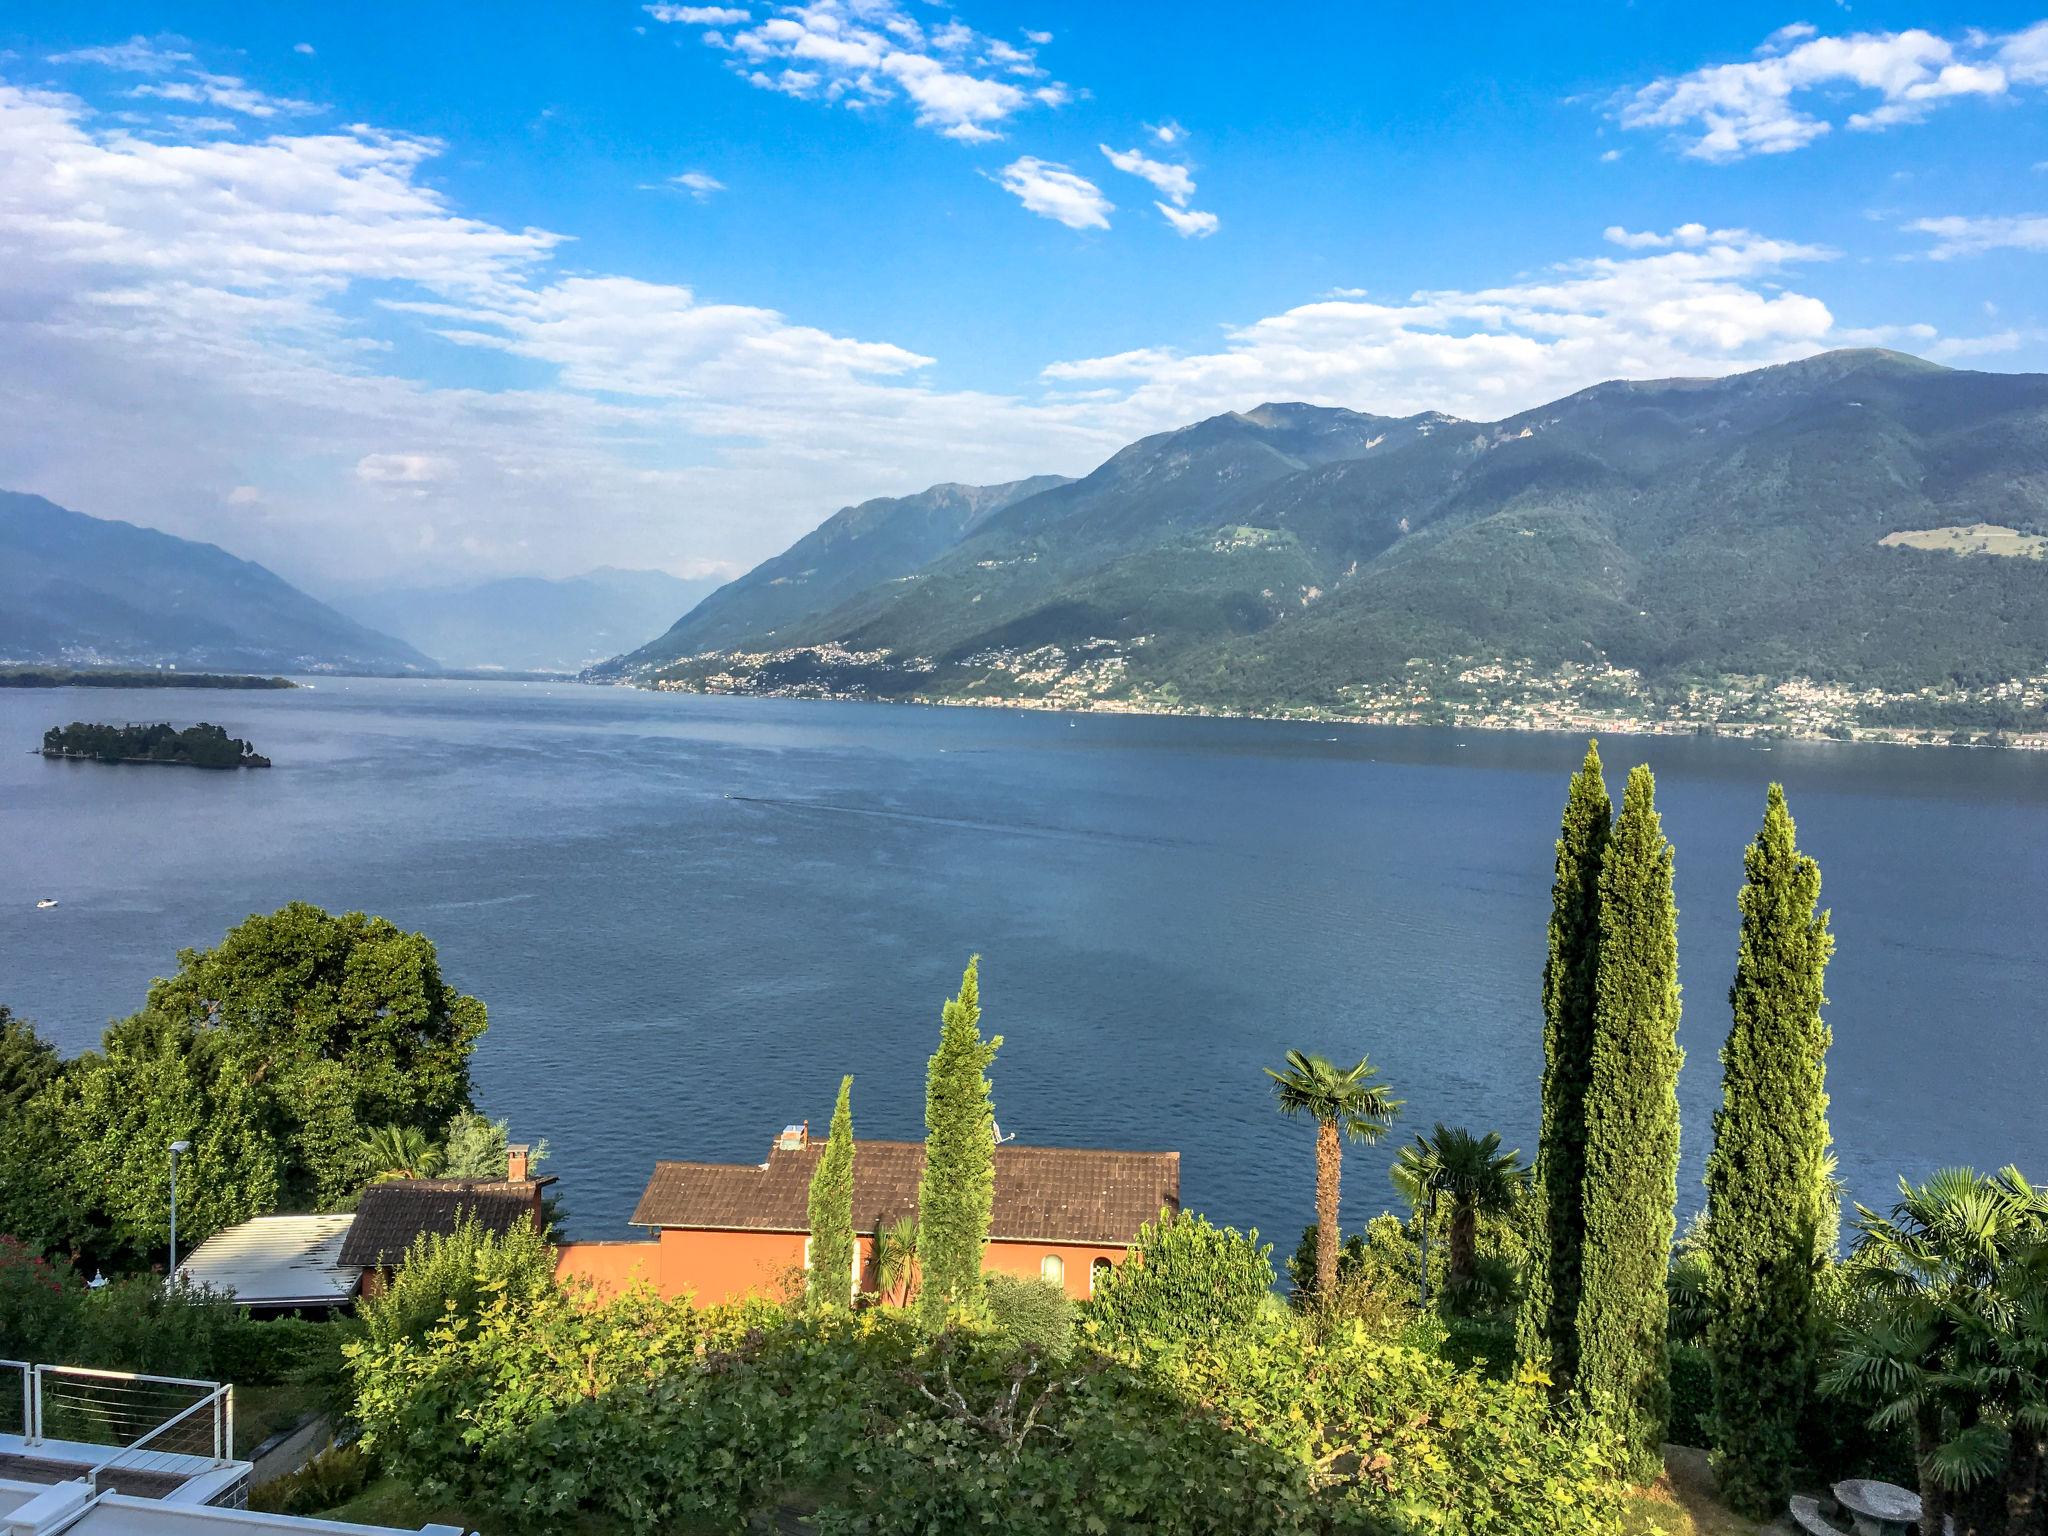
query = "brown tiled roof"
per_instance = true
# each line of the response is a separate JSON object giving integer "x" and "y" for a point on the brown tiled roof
{"x": 1043, "y": 1194}
{"x": 392, "y": 1214}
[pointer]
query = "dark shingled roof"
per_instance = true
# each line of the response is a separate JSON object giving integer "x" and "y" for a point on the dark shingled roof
{"x": 392, "y": 1214}
{"x": 1043, "y": 1194}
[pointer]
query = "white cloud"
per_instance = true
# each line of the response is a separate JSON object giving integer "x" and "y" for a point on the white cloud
{"x": 1689, "y": 235}
{"x": 1956, "y": 235}
{"x": 1168, "y": 133}
{"x": 305, "y": 48}
{"x": 138, "y": 56}
{"x": 1707, "y": 305}
{"x": 1040, "y": 38}
{"x": 862, "y": 53}
{"x": 699, "y": 184}
{"x": 1610, "y": 157}
{"x": 1174, "y": 182}
{"x": 186, "y": 320}
{"x": 1760, "y": 106}
{"x": 1054, "y": 192}
{"x": 192, "y": 86}
{"x": 699, "y": 15}
{"x": 1190, "y": 222}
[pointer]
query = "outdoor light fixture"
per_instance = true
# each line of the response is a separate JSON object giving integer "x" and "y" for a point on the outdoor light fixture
{"x": 177, "y": 1147}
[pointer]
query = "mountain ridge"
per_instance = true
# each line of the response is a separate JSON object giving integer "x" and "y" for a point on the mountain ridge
{"x": 1299, "y": 556}
{"x": 74, "y": 587}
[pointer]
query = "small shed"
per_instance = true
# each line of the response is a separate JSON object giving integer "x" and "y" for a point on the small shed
{"x": 275, "y": 1263}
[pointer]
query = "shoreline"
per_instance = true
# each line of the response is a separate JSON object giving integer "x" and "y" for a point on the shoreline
{"x": 1620, "y": 725}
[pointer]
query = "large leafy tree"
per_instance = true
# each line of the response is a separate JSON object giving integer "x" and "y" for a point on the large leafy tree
{"x": 116, "y": 1113}
{"x": 1473, "y": 1176}
{"x": 1346, "y": 1105}
{"x": 1631, "y": 1185}
{"x": 1547, "y": 1328}
{"x": 834, "y": 1249}
{"x": 956, "y": 1195}
{"x": 1768, "y": 1188}
{"x": 345, "y": 1021}
{"x": 27, "y": 1062}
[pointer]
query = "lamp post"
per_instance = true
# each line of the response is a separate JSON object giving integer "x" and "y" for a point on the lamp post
{"x": 177, "y": 1148}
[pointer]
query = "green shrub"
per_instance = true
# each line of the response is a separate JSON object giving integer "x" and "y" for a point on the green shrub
{"x": 139, "y": 1324}
{"x": 1032, "y": 1312}
{"x": 1185, "y": 1279}
{"x": 1692, "y": 1394}
{"x": 452, "y": 1276}
{"x": 650, "y": 1416}
{"x": 39, "y": 1300}
{"x": 329, "y": 1479}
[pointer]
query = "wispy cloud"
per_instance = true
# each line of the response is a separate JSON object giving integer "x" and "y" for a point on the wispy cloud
{"x": 174, "y": 76}
{"x": 699, "y": 184}
{"x": 1687, "y": 302}
{"x": 1791, "y": 92}
{"x": 1189, "y": 223}
{"x": 1956, "y": 235}
{"x": 700, "y": 15}
{"x": 1174, "y": 181}
{"x": 1055, "y": 192}
{"x": 862, "y": 53}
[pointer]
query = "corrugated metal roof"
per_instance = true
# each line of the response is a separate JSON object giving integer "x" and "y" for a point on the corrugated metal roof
{"x": 277, "y": 1261}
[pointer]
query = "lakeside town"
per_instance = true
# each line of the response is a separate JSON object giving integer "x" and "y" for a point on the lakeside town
{"x": 1494, "y": 694}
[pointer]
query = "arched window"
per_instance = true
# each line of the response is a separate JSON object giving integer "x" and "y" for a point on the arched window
{"x": 1054, "y": 1268}
{"x": 807, "y": 1253}
{"x": 1098, "y": 1272}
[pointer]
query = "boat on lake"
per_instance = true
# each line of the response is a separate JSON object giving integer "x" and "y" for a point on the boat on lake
{"x": 47, "y": 901}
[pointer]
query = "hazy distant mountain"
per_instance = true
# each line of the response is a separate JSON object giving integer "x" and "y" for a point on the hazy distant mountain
{"x": 86, "y": 589}
{"x": 855, "y": 548}
{"x": 1294, "y": 554}
{"x": 529, "y": 623}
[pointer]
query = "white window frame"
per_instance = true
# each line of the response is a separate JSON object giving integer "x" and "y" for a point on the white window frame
{"x": 1054, "y": 1268}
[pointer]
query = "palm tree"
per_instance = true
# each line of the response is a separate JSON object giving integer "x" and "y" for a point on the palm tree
{"x": 896, "y": 1260}
{"x": 1344, "y": 1103}
{"x": 1474, "y": 1175}
{"x": 400, "y": 1152}
{"x": 1942, "y": 1334}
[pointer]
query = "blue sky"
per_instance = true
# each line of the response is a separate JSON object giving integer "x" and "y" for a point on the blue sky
{"x": 392, "y": 293}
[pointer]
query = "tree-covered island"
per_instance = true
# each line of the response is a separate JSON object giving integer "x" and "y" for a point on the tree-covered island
{"x": 197, "y": 746}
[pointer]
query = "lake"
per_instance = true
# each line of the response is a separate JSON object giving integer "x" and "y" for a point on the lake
{"x": 689, "y": 915}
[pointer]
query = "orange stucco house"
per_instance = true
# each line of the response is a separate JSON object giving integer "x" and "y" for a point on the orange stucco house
{"x": 727, "y": 1230}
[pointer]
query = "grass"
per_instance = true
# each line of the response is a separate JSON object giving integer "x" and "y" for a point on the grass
{"x": 1683, "y": 1503}
{"x": 1972, "y": 539}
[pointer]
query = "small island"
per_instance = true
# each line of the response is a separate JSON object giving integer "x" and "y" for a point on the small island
{"x": 197, "y": 746}
{"x": 130, "y": 677}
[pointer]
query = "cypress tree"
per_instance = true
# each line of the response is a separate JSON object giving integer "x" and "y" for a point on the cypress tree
{"x": 1548, "y": 1326}
{"x": 1632, "y": 1138}
{"x": 834, "y": 1252}
{"x": 957, "y": 1192}
{"x": 1768, "y": 1193}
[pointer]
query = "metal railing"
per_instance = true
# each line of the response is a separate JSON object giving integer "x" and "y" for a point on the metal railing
{"x": 125, "y": 1408}
{"x": 17, "y": 1398}
{"x": 205, "y": 1430}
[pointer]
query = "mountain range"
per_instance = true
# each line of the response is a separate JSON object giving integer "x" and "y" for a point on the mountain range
{"x": 530, "y": 623}
{"x": 1306, "y": 556}
{"x": 84, "y": 590}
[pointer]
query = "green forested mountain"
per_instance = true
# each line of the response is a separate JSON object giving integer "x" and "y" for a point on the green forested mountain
{"x": 854, "y": 549}
{"x": 1296, "y": 555}
{"x": 89, "y": 589}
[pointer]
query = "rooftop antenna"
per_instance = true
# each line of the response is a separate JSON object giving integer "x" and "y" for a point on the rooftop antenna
{"x": 1000, "y": 1137}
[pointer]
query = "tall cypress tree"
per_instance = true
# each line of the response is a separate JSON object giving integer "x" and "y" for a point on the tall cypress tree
{"x": 1632, "y": 1138}
{"x": 1548, "y": 1325}
{"x": 833, "y": 1249}
{"x": 1767, "y": 1177}
{"x": 957, "y": 1193}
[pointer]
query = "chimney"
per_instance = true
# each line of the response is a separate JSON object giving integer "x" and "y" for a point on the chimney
{"x": 794, "y": 1138}
{"x": 517, "y": 1156}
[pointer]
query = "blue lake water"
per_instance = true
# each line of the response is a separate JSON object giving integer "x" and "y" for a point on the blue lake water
{"x": 689, "y": 916}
